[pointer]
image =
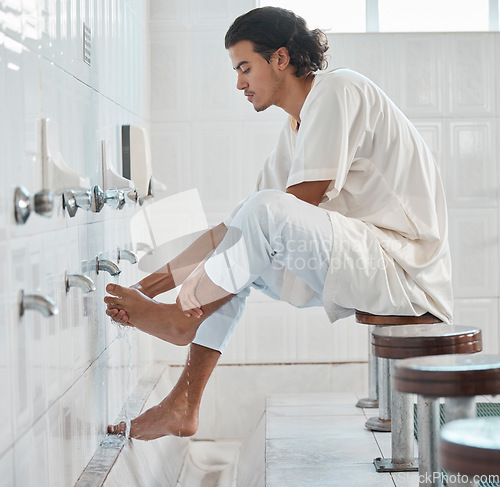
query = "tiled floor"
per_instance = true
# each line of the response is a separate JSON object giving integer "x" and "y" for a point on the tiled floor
{"x": 319, "y": 440}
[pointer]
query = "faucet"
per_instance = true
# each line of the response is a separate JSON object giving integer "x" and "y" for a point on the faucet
{"x": 127, "y": 255}
{"x": 37, "y": 302}
{"x": 79, "y": 280}
{"x": 106, "y": 265}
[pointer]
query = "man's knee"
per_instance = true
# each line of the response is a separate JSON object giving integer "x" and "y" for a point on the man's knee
{"x": 264, "y": 202}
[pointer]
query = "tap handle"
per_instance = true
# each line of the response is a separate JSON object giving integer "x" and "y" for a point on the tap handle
{"x": 115, "y": 198}
{"x": 43, "y": 304}
{"x": 69, "y": 202}
{"x": 22, "y": 205}
{"x": 44, "y": 202}
{"x": 97, "y": 198}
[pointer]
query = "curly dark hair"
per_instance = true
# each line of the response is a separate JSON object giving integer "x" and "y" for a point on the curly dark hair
{"x": 269, "y": 28}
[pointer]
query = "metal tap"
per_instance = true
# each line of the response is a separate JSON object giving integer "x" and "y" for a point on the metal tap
{"x": 79, "y": 280}
{"x": 106, "y": 265}
{"x": 37, "y": 302}
{"x": 127, "y": 255}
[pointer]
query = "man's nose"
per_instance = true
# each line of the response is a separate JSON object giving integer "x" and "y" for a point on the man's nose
{"x": 241, "y": 84}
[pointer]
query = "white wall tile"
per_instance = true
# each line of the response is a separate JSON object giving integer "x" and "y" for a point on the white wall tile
{"x": 213, "y": 81}
{"x": 260, "y": 140}
{"x": 214, "y": 15}
{"x": 421, "y": 89}
{"x": 470, "y": 66}
{"x": 432, "y": 133}
{"x": 370, "y": 55}
{"x": 12, "y": 19}
{"x": 321, "y": 341}
{"x": 7, "y": 469}
{"x": 271, "y": 333}
{"x": 171, "y": 94}
{"x": 496, "y": 74}
{"x": 215, "y": 162}
{"x": 171, "y": 155}
{"x": 170, "y": 15}
{"x": 471, "y": 171}
{"x": 474, "y": 251}
{"x": 482, "y": 313}
{"x": 6, "y": 348}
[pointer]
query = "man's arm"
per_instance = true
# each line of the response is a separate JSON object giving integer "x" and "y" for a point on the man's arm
{"x": 309, "y": 191}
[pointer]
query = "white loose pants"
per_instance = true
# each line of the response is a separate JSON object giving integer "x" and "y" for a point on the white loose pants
{"x": 273, "y": 239}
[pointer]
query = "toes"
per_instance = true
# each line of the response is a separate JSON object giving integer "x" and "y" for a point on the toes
{"x": 115, "y": 289}
{"x": 117, "y": 429}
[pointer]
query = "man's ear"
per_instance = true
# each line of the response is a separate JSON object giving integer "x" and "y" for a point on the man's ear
{"x": 283, "y": 58}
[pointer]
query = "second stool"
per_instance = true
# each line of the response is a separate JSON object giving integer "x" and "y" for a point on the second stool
{"x": 457, "y": 378}
{"x": 400, "y": 342}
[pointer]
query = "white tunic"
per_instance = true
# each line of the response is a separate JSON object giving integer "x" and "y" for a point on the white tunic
{"x": 386, "y": 201}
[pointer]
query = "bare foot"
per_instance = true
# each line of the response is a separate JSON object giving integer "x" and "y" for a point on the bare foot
{"x": 171, "y": 417}
{"x": 165, "y": 321}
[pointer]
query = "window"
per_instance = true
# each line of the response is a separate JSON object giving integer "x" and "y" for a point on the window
{"x": 395, "y": 15}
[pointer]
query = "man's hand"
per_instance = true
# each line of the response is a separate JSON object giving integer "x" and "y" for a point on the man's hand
{"x": 186, "y": 300}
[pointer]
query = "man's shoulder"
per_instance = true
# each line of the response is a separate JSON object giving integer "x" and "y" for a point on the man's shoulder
{"x": 341, "y": 77}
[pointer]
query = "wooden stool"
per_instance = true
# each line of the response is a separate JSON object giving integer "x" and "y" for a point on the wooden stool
{"x": 399, "y": 342}
{"x": 378, "y": 370}
{"x": 457, "y": 378}
{"x": 471, "y": 447}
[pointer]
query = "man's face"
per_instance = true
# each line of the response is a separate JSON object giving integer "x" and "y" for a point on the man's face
{"x": 259, "y": 80}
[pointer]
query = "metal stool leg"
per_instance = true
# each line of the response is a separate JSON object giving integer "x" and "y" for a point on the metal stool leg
{"x": 459, "y": 408}
{"x": 372, "y": 400}
{"x": 428, "y": 434}
{"x": 402, "y": 442}
{"x": 383, "y": 422}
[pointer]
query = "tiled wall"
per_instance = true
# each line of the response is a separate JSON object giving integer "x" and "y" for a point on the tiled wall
{"x": 63, "y": 378}
{"x": 205, "y": 135}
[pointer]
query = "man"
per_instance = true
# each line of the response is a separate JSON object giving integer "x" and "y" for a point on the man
{"x": 349, "y": 213}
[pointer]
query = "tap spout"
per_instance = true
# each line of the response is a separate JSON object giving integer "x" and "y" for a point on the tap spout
{"x": 79, "y": 280}
{"x": 43, "y": 304}
{"x": 127, "y": 255}
{"x": 108, "y": 266}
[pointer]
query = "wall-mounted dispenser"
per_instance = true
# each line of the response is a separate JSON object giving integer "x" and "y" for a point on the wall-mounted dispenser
{"x": 42, "y": 202}
{"x": 117, "y": 188}
{"x": 136, "y": 161}
{"x": 56, "y": 175}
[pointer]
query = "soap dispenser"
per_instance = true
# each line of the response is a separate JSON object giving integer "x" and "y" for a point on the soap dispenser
{"x": 136, "y": 159}
{"x": 56, "y": 175}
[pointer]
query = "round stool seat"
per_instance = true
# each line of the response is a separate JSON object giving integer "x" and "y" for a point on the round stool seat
{"x": 471, "y": 446}
{"x": 448, "y": 375}
{"x": 398, "y": 342}
{"x": 390, "y": 320}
